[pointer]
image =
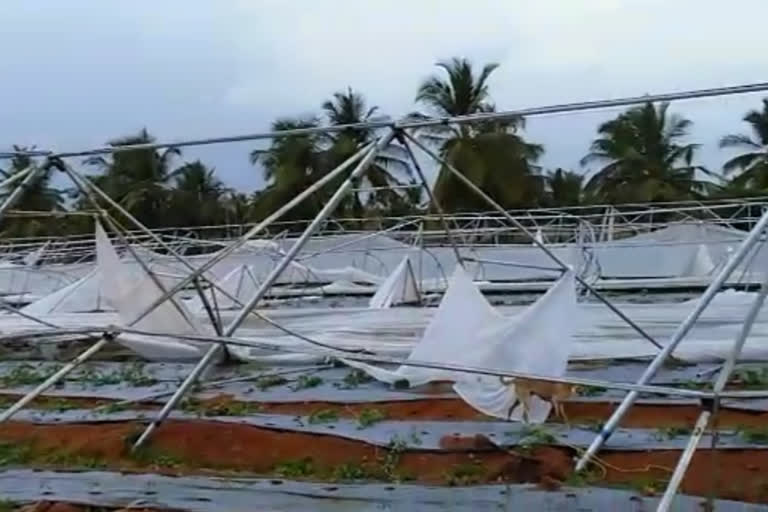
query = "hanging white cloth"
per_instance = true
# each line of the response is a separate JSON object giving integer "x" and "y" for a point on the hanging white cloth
{"x": 399, "y": 287}
{"x": 468, "y": 331}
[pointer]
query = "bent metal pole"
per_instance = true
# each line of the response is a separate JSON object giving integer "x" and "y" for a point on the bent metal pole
{"x": 533, "y": 239}
{"x": 214, "y": 349}
{"x": 734, "y": 261}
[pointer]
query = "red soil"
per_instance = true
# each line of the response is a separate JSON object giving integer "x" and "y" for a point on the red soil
{"x": 184, "y": 447}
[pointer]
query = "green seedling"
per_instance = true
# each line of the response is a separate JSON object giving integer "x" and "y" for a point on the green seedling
{"x": 270, "y": 381}
{"x": 348, "y": 471}
{"x": 306, "y": 382}
{"x": 323, "y": 416}
{"x": 295, "y": 468}
{"x": 369, "y": 416}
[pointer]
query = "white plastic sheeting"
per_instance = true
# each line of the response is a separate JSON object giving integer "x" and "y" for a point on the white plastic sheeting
{"x": 399, "y": 288}
{"x": 240, "y": 284}
{"x": 678, "y": 255}
{"x": 131, "y": 297}
{"x": 678, "y": 250}
{"x": 31, "y": 283}
{"x": 468, "y": 331}
{"x": 82, "y": 296}
{"x": 701, "y": 264}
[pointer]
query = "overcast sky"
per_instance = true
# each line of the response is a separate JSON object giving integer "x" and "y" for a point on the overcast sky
{"x": 75, "y": 74}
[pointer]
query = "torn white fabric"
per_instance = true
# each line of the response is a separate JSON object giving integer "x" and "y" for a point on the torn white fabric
{"x": 467, "y": 331}
{"x": 399, "y": 288}
{"x": 462, "y": 313}
{"x": 131, "y": 297}
{"x": 537, "y": 342}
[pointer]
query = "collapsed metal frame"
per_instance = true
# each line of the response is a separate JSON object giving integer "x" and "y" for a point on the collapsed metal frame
{"x": 629, "y": 221}
{"x": 363, "y": 159}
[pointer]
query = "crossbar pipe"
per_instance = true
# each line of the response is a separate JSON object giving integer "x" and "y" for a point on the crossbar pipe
{"x": 421, "y": 123}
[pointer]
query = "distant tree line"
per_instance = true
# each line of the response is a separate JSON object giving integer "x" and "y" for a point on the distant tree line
{"x": 642, "y": 155}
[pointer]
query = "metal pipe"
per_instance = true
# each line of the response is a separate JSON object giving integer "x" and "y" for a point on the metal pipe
{"x": 703, "y": 421}
{"x": 217, "y": 383}
{"x": 677, "y": 336}
{"x": 235, "y": 245}
{"x": 16, "y": 176}
{"x": 512, "y": 264}
{"x": 472, "y": 118}
{"x": 682, "y": 464}
{"x": 219, "y": 140}
{"x": 328, "y": 209}
{"x": 14, "y": 196}
{"x": 90, "y": 188}
{"x": 536, "y": 242}
{"x": 53, "y": 379}
{"x": 433, "y": 200}
{"x": 586, "y": 105}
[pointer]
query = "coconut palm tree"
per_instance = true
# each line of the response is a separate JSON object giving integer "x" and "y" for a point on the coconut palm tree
{"x": 645, "y": 158}
{"x": 238, "y": 207}
{"x": 139, "y": 179}
{"x": 750, "y": 168}
{"x": 493, "y": 155}
{"x": 389, "y": 170}
{"x": 564, "y": 188}
{"x": 290, "y": 165}
{"x": 196, "y": 198}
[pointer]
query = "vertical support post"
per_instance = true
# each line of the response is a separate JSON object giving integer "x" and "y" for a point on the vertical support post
{"x": 326, "y": 211}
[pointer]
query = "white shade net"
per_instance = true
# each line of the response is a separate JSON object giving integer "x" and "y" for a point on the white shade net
{"x": 468, "y": 331}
